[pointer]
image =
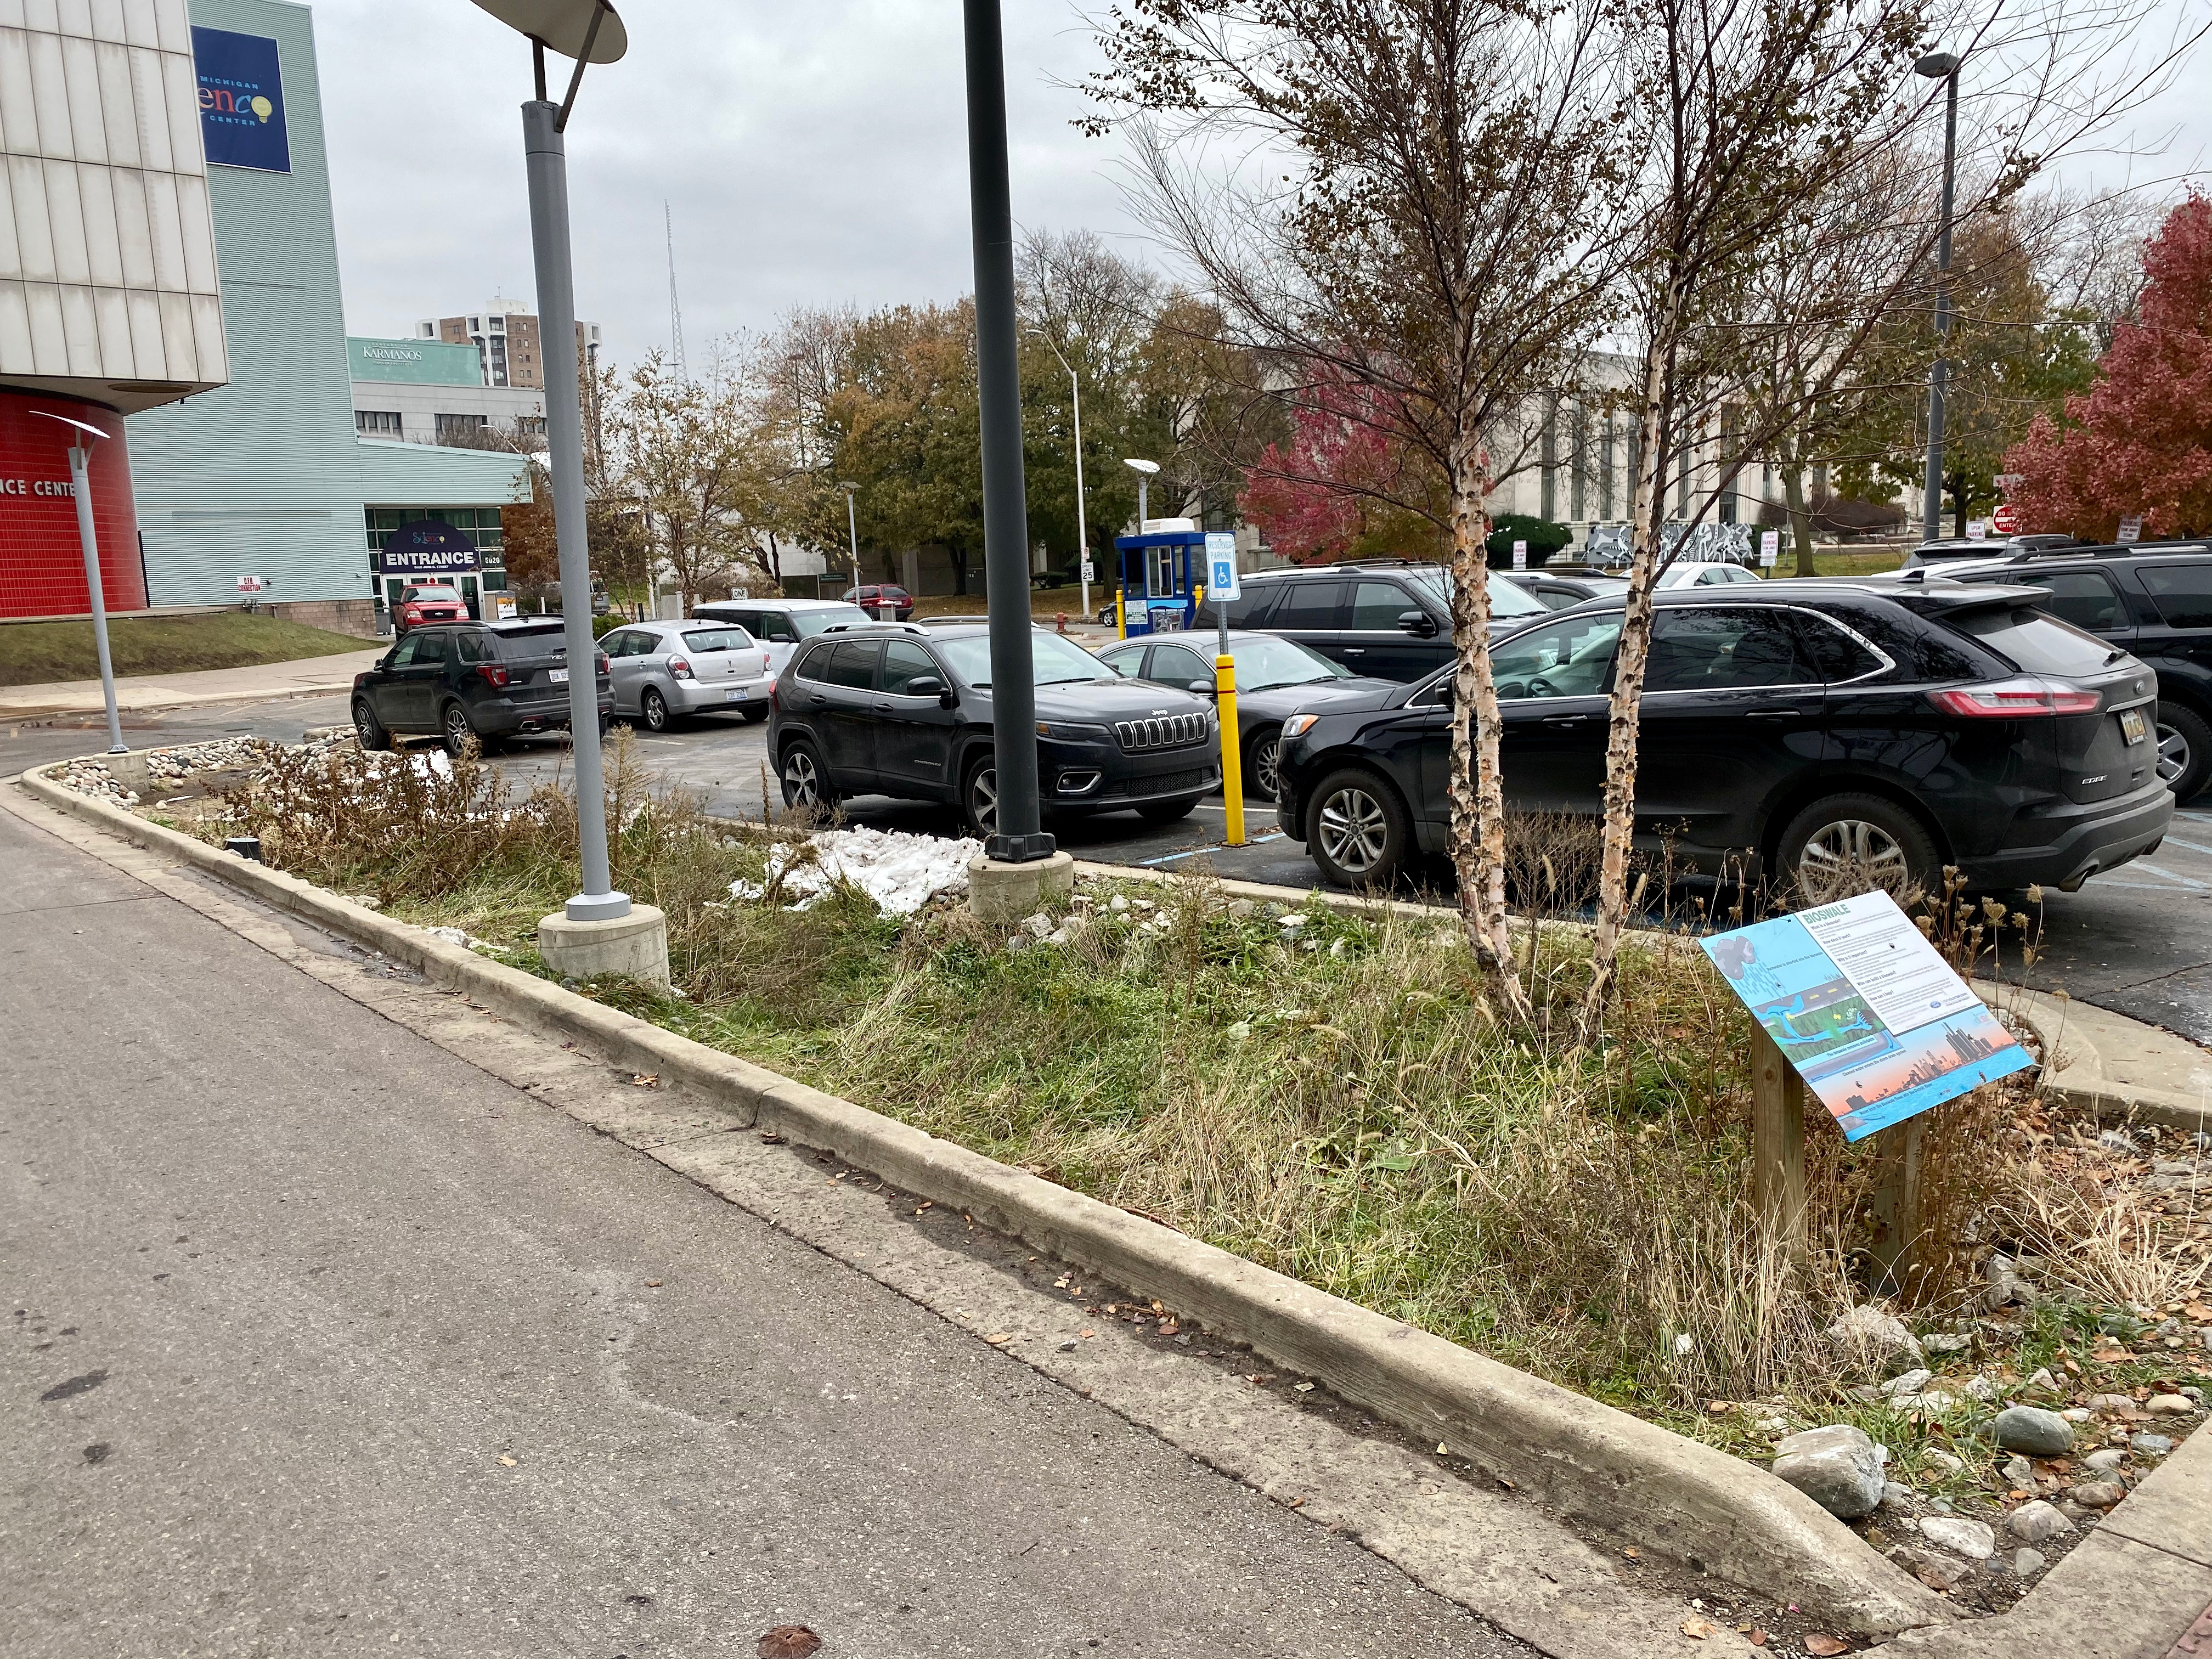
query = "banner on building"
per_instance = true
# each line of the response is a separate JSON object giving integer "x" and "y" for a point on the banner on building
{"x": 241, "y": 100}
{"x": 429, "y": 547}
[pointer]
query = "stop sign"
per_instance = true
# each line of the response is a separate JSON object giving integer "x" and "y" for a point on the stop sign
{"x": 2005, "y": 521}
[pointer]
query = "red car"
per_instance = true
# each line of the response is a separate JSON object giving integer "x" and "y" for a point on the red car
{"x": 424, "y": 603}
{"x": 874, "y": 599}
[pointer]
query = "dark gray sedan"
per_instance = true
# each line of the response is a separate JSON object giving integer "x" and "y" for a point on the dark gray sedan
{"x": 1275, "y": 678}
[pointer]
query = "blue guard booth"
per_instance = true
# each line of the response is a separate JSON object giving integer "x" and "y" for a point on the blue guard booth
{"x": 1161, "y": 576}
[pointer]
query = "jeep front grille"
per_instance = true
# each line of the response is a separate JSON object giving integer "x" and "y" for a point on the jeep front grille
{"x": 1160, "y": 732}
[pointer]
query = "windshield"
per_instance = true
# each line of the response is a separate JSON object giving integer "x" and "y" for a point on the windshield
{"x": 1264, "y": 662}
{"x": 808, "y": 623}
{"x": 1054, "y": 661}
{"x": 436, "y": 595}
{"x": 1506, "y": 599}
{"x": 719, "y": 639}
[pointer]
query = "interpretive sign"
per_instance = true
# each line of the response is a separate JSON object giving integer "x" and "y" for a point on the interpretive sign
{"x": 1865, "y": 1010}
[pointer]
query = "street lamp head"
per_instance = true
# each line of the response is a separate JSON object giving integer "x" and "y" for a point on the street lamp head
{"x": 1145, "y": 467}
{"x": 565, "y": 26}
{"x": 1936, "y": 65}
{"x": 90, "y": 430}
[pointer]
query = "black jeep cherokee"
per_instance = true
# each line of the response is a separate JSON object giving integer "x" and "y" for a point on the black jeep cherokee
{"x": 1825, "y": 729}
{"x": 895, "y": 709}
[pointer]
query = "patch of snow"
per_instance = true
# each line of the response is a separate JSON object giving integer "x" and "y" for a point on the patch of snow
{"x": 900, "y": 871}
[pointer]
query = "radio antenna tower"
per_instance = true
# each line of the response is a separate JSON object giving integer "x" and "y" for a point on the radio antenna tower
{"x": 675, "y": 308}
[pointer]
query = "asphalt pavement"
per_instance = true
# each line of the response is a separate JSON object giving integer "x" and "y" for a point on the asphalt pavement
{"x": 2137, "y": 941}
{"x": 321, "y": 1339}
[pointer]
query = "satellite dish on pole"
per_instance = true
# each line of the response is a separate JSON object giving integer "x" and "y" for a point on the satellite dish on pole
{"x": 566, "y": 25}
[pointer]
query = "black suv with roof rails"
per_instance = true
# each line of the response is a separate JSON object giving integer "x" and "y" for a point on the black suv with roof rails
{"x": 464, "y": 681}
{"x": 896, "y": 709}
{"x": 1388, "y": 619}
{"x": 1837, "y": 733}
{"x": 1944, "y": 549}
{"x": 2153, "y": 599}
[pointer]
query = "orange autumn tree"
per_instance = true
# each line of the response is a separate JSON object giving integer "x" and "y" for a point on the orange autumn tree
{"x": 2139, "y": 441}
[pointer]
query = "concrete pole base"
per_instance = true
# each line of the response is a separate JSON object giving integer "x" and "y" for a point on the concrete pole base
{"x": 634, "y": 945}
{"x": 1003, "y": 894}
{"x": 129, "y": 770}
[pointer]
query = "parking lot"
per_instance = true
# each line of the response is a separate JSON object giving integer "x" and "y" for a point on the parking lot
{"x": 2137, "y": 941}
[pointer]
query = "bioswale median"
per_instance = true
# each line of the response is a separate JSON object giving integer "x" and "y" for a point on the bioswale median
{"x": 1332, "y": 1095}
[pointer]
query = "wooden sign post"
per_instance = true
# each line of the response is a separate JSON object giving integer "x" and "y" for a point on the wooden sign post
{"x": 1895, "y": 1205}
{"x": 1778, "y": 1143}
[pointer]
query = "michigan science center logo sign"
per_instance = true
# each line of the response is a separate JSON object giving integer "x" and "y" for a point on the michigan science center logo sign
{"x": 241, "y": 100}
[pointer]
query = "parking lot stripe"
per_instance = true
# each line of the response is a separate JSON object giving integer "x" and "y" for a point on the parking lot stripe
{"x": 1217, "y": 847}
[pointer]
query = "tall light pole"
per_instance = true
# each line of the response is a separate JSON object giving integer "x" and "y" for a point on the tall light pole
{"x": 1943, "y": 66}
{"x": 1145, "y": 471}
{"x": 852, "y": 527}
{"x": 80, "y": 456}
{"x": 1018, "y": 837}
{"x": 1082, "y": 526}
{"x": 589, "y": 32}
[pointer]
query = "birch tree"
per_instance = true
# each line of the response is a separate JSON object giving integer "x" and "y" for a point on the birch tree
{"x": 1398, "y": 197}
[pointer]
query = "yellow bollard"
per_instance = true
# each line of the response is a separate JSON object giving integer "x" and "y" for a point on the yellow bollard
{"x": 1122, "y": 613}
{"x": 1232, "y": 759}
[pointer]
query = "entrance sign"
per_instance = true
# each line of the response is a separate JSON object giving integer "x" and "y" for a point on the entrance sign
{"x": 427, "y": 547}
{"x": 1865, "y": 1010}
{"x": 1770, "y": 548}
{"x": 1221, "y": 581}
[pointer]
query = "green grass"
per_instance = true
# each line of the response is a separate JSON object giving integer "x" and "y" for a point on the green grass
{"x": 36, "y": 653}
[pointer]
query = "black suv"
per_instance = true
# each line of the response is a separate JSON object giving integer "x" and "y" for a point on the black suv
{"x": 1387, "y": 619}
{"x": 2154, "y": 599}
{"x": 481, "y": 680}
{"x": 1831, "y": 730}
{"x": 895, "y": 709}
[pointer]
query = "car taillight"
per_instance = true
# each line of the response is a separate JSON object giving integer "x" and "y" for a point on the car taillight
{"x": 763, "y": 662}
{"x": 774, "y": 700}
{"x": 680, "y": 667}
{"x": 494, "y": 673}
{"x": 599, "y": 662}
{"x": 2016, "y": 699}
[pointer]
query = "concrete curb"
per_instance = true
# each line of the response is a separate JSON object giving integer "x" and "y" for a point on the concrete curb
{"x": 1585, "y": 1461}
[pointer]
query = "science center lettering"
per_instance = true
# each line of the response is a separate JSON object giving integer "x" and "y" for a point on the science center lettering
{"x": 38, "y": 487}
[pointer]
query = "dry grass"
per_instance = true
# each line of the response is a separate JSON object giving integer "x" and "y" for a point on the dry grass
{"x": 1336, "y": 1098}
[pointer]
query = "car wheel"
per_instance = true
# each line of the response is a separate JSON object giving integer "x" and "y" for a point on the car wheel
{"x": 806, "y": 779}
{"x": 1356, "y": 830}
{"x": 1263, "y": 777}
{"x": 1851, "y": 844}
{"x": 979, "y": 799}
{"x": 1167, "y": 811}
{"x": 367, "y": 728}
{"x": 454, "y": 728}
{"x": 2184, "y": 751}
{"x": 653, "y": 709}
{"x": 752, "y": 716}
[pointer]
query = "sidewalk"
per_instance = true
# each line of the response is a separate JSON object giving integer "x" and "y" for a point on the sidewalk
{"x": 301, "y": 677}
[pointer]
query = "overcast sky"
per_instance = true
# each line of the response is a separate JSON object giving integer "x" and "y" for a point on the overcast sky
{"x": 812, "y": 151}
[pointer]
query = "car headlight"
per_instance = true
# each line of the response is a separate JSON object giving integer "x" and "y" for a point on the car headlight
{"x": 1298, "y": 724}
{"x": 1068, "y": 730}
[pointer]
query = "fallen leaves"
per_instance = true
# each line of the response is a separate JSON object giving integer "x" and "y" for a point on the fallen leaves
{"x": 1699, "y": 1628}
{"x": 1000, "y": 1340}
{"x": 789, "y": 1642}
{"x": 646, "y": 1080}
{"x": 1826, "y": 1646}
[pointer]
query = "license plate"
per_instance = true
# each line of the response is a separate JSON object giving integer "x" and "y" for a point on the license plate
{"x": 2133, "y": 726}
{"x": 734, "y": 695}
{"x": 558, "y": 676}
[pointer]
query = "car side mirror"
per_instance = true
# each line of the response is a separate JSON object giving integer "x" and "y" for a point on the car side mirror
{"x": 1419, "y": 623}
{"x": 1203, "y": 688}
{"x": 925, "y": 685}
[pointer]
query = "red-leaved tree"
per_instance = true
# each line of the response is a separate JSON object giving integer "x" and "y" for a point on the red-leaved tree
{"x": 1336, "y": 491}
{"x": 2140, "y": 439}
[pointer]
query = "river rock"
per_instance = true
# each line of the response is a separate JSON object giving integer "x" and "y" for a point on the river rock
{"x": 2036, "y": 1522}
{"x": 2019, "y": 1472}
{"x": 1836, "y": 1466}
{"x": 2170, "y": 1405}
{"x": 2027, "y": 1562}
{"x": 2098, "y": 1494}
{"x": 1882, "y": 1336}
{"x": 2031, "y": 1430}
{"x": 1931, "y": 1567}
{"x": 2107, "y": 1461}
{"x": 2151, "y": 1445}
{"x": 1910, "y": 1381}
{"x": 1971, "y": 1538}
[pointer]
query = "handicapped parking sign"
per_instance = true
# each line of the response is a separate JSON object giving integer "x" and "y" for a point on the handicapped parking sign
{"x": 1221, "y": 566}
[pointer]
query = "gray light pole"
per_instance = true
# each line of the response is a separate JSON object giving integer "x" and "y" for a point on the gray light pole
{"x": 80, "y": 482}
{"x": 589, "y": 32}
{"x": 1944, "y": 66}
{"x": 1082, "y": 524}
{"x": 1019, "y": 837}
{"x": 853, "y": 528}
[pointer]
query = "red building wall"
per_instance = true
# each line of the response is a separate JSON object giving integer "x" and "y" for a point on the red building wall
{"x": 41, "y": 560}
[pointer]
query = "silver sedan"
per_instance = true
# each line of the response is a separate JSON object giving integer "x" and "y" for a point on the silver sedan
{"x": 664, "y": 671}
